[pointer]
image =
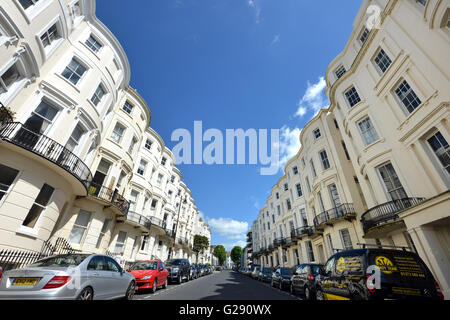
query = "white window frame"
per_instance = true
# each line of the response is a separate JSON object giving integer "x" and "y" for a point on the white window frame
{"x": 113, "y": 132}
{"x": 49, "y": 50}
{"x": 363, "y": 136}
{"x": 400, "y": 102}
{"x": 34, "y": 10}
{"x": 83, "y": 76}
{"x": 83, "y": 237}
{"x": 15, "y": 88}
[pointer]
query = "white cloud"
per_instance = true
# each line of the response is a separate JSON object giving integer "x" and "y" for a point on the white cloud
{"x": 230, "y": 245}
{"x": 288, "y": 145}
{"x": 227, "y": 227}
{"x": 314, "y": 98}
{"x": 275, "y": 40}
{"x": 255, "y": 5}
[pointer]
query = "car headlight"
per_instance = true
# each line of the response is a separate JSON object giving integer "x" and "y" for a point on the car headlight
{"x": 147, "y": 277}
{"x": 175, "y": 269}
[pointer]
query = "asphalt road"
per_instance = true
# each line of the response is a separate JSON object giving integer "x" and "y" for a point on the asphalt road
{"x": 224, "y": 285}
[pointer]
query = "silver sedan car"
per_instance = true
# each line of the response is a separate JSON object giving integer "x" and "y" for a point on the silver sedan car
{"x": 69, "y": 277}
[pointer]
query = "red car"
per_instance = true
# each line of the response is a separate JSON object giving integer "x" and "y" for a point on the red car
{"x": 149, "y": 274}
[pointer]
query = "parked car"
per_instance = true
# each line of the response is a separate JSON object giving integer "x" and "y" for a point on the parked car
{"x": 194, "y": 271}
{"x": 403, "y": 275}
{"x": 218, "y": 268}
{"x": 149, "y": 274}
{"x": 69, "y": 277}
{"x": 255, "y": 272}
{"x": 281, "y": 278}
{"x": 179, "y": 270}
{"x": 252, "y": 268}
{"x": 265, "y": 275}
{"x": 304, "y": 280}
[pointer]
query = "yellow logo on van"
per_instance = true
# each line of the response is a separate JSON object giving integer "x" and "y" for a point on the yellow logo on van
{"x": 340, "y": 266}
{"x": 385, "y": 265}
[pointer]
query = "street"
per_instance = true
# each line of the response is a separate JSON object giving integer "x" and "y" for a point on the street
{"x": 224, "y": 285}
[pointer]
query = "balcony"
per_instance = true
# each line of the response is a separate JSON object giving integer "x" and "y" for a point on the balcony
{"x": 387, "y": 212}
{"x": 301, "y": 232}
{"x": 109, "y": 197}
{"x": 344, "y": 211}
{"x": 279, "y": 242}
{"x": 287, "y": 242}
{"x": 16, "y": 133}
{"x": 270, "y": 248}
{"x": 138, "y": 220}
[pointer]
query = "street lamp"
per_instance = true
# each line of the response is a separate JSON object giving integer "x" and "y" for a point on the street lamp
{"x": 184, "y": 201}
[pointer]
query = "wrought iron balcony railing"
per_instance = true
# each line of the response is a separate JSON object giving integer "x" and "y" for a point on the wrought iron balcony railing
{"x": 109, "y": 195}
{"x": 333, "y": 214}
{"x": 300, "y": 232}
{"x": 19, "y": 135}
{"x": 139, "y": 219}
{"x": 279, "y": 242}
{"x": 387, "y": 212}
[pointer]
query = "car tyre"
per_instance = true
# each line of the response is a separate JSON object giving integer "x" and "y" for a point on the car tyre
{"x": 307, "y": 293}
{"x": 180, "y": 279}
{"x": 86, "y": 294}
{"x": 154, "y": 286}
{"x": 130, "y": 291}
{"x": 319, "y": 295}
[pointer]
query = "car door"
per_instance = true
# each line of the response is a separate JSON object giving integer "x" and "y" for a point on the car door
{"x": 163, "y": 272}
{"x": 97, "y": 275}
{"x": 117, "y": 279}
{"x": 326, "y": 278}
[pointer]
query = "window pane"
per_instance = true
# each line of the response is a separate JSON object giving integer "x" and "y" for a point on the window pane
{"x": 44, "y": 196}
{"x": 76, "y": 234}
{"x": 32, "y": 216}
{"x": 7, "y": 177}
{"x": 83, "y": 218}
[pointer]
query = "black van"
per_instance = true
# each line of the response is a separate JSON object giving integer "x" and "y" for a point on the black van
{"x": 403, "y": 275}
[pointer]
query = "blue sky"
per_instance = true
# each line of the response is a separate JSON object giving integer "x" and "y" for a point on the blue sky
{"x": 231, "y": 64}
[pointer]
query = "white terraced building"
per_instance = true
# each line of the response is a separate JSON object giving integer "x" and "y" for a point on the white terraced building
{"x": 79, "y": 163}
{"x": 374, "y": 167}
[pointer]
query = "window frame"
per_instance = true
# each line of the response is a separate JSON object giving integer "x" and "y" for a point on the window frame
{"x": 11, "y": 186}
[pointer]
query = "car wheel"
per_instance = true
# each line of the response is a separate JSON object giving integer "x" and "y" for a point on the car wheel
{"x": 307, "y": 293}
{"x": 180, "y": 279}
{"x": 130, "y": 291}
{"x": 356, "y": 296}
{"x": 86, "y": 294}
{"x": 165, "y": 284}
{"x": 154, "y": 286}
{"x": 320, "y": 295}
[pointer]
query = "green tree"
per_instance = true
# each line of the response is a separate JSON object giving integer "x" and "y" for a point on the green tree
{"x": 220, "y": 253}
{"x": 236, "y": 253}
{"x": 201, "y": 243}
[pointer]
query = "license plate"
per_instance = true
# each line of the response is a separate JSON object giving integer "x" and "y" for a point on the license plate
{"x": 25, "y": 281}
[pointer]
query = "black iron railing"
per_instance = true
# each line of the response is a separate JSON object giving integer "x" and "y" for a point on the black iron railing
{"x": 287, "y": 241}
{"x": 16, "y": 133}
{"x": 13, "y": 259}
{"x": 270, "y": 247}
{"x": 279, "y": 242}
{"x": 387, "y": 212}
{"x": 139, "y": 219}
{"x": 109, "y": 195}
{"x": 335, "y": 213}
{"x": 303, "y": 231}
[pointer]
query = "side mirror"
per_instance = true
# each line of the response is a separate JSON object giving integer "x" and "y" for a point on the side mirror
{"x": 128, "y": 270}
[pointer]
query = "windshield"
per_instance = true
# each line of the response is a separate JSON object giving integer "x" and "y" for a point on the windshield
{"x": 173, "y": 262}
{"x": 69, "y": 260}
{"x": 144, "y": 265}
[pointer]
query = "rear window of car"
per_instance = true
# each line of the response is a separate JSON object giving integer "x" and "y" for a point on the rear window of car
{"x": 399, "y": 264}
{"x": 173, "y": 262}
{"x": 61, "y": 261}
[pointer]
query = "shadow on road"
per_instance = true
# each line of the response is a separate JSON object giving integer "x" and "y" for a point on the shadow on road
{"x": 240, "y": 287}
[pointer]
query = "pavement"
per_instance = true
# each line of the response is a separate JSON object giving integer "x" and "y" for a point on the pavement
{"x": 224, "y": 285}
